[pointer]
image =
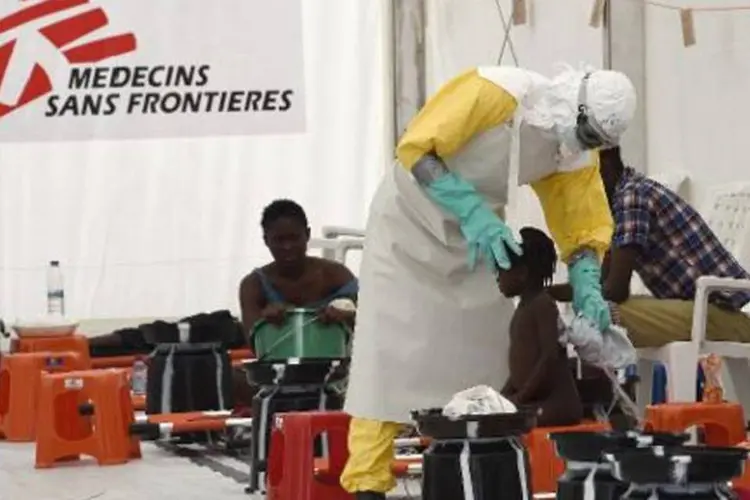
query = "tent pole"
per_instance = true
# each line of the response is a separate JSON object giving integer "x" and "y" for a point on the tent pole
{"x": 625, "y": 50}
{"x": 409, "y": 60}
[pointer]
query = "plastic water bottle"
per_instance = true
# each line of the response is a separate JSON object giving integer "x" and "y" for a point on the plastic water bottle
{"x": 139, "y": 377}
{"x": 55, "y": 290}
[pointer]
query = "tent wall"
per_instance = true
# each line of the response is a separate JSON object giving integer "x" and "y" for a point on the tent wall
{"x": 465, "y": 33}
{"x": 698, "y": 98}
{"x": 169, "y": 227}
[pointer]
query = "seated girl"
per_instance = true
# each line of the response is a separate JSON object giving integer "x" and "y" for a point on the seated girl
{"x": 539, "y": 370}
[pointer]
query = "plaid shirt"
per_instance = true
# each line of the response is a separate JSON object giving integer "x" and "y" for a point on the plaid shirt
{"x": 675, "y": 245}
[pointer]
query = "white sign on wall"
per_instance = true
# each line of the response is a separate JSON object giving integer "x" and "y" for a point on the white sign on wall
{"x": 128, "y": 69}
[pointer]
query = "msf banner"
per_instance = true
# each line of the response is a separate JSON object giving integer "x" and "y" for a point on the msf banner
{"x": 131, "y": 69}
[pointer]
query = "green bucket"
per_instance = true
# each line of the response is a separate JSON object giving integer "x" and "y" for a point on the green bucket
{"x": 300, "y": 336}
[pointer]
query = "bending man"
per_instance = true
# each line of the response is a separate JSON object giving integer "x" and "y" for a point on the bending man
{"x": 428, "y": 324}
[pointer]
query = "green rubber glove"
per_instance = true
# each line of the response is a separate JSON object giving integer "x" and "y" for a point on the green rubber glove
{"x": 585, "y": 275}
{"x": 487, "y": 236}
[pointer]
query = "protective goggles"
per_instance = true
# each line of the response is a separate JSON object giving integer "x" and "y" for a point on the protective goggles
{"x": 588, "y": 131}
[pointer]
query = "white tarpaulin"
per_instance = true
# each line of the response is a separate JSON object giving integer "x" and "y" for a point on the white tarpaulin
{"x": 169, "y": 226}
{"x": 116, "y": 69}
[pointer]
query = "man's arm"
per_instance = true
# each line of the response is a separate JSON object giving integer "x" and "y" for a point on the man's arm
{"x": 251, "y": 302}
{"x": 548, "y": 334}
{"x": 617, "y": 283}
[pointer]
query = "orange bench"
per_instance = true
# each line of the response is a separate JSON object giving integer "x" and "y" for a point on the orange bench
{"x": 723, "y": 423}
{"x": 70, "y": 343}
{"x": 546, "y": 466}
{"x": 65, "y": 431}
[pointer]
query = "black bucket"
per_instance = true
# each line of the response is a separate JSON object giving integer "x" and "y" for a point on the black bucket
{"x": 582, "y": 452}
{"x": 685, "y": 472}
{"x": 494, "y": 466}
{"x": 189, "y": 377}
{"x": 296, "y": 371}
{"x": 483, "y": 452}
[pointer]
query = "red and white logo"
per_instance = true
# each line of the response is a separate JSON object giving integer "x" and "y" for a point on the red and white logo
{"x": 42, "y": 39}
{"x": 73, "y": 70}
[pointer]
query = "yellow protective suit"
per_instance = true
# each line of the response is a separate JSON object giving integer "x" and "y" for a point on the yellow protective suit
{"x": 427, "y": 325}
{"x": 576, "y": 210}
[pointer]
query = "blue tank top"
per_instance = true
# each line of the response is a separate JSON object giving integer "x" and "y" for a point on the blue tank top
{"x": 273, "y": 296}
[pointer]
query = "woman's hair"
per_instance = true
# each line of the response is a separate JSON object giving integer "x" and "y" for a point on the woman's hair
{"x": 539, "y": 255}
{"x": 280, "y": 209}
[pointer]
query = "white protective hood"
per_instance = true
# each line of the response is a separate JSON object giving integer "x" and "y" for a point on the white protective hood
{"x": 610, "y": 98}
{"x": 549, "y": 112}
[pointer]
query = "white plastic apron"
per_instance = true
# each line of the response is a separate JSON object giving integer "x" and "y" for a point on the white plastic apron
{"x": 426, "y": 326}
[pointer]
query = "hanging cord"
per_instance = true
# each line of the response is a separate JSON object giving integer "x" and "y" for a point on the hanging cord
{"x": 507, "y": 40}
{"x": 627, "y": 405}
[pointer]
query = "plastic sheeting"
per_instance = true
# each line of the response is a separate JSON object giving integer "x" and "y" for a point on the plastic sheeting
{"x": 169, "y": 227}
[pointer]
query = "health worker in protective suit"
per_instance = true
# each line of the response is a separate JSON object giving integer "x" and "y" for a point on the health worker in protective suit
{"x": 431, "y": 322}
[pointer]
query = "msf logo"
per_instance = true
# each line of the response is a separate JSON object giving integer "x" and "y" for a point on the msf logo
{"x": 41, "y": 39}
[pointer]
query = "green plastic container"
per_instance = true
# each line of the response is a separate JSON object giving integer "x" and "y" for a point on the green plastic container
{"x": 300, "y": 336}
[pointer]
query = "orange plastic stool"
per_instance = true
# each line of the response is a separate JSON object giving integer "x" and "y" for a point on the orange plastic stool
{"x": 291, "y": 465}
{"x": 723, "y": 423}
{"x": 546, "y": 466}
{"x": 85, "y": 413}
{"x": 69, "y": 343}
{"x": 20, "y": 376}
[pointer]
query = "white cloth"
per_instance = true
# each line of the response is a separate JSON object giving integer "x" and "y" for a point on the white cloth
{"x": 479, "y": 400}
{"x": 427, "y": 327}
{"x": 610, "y": 349}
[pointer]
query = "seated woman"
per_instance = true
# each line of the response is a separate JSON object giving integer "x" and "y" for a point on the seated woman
{"x": 538, "y": 361}
{"x": 292, "y": 279}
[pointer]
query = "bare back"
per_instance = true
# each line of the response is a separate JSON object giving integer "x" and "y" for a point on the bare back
{"x": 539, "y": 371}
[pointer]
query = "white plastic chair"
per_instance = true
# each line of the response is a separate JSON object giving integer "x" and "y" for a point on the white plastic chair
{"x": 728, "y": 215}
{"x": 337, "y": 242}
{"x": 333, "y": 232}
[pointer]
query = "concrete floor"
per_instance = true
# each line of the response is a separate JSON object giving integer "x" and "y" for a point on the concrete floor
{"x": 160, "y": 474}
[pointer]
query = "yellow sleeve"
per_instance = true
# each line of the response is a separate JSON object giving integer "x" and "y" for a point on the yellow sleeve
{"x": 464, "y": 107}
{"x": 576, "y": 210}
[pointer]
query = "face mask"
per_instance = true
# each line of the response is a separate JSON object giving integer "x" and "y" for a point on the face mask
{"x": 588, "y": 133}
{"x": 569, "y": 144}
